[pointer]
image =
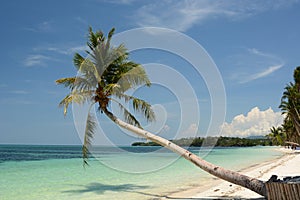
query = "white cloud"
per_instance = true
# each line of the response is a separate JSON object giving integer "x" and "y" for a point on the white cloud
{"x": 256, "y": 122}
{"x": 182, "y": 15}
{"x": 264, "y": 73}
{"x": 191, "y": 131}
{"x": 36, "y": 60}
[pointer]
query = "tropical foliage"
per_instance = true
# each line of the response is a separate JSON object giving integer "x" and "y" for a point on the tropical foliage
{"x": 290, "y": 107}
{"x": 277, "y": 136}
{"x": 214, "y": 141}
{"x": 104, "y": 75}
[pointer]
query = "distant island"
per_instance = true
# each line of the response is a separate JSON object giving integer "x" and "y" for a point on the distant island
{"x": 216, "y": 141}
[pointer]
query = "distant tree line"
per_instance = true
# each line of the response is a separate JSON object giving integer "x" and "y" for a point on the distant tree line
{"x": 215, "y": 141}
{"x": 288, "y": 131}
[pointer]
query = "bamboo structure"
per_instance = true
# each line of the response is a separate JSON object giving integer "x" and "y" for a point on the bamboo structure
{"x": 283, "y": 191}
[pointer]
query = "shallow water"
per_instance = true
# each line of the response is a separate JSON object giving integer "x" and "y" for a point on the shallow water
{"x": 56, "y": 172}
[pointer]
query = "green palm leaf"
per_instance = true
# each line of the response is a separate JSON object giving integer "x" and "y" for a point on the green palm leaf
{"x": 76, "y": 97}
{"x": 78, "y": 60}
{"x": 128, "y": 117}
{"x": 104, "y": 74}
{"x": 88, "y": 136}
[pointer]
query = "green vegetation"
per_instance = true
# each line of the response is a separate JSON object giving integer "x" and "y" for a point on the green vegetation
{"x": 215, "y": 141}
{"x": 290, "y": 107}
{"x": 104, "y": 76}
{"x": 145, "y": 144}
{"x": 277, "y": 136}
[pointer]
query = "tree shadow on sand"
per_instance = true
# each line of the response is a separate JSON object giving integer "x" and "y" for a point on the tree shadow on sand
{"x": 100, "y": 189}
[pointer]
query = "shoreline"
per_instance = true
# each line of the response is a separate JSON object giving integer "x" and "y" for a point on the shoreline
{"x": 286, "y": 165}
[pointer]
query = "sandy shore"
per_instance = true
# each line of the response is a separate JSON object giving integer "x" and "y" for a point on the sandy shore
{"x": 288, "y": 165}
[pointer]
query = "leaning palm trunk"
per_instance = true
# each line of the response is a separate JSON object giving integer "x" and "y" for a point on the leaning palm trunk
{"x": 107, "y": 75}
{"x": 253, "y": 184}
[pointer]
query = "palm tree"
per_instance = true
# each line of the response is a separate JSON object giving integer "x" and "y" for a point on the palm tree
{"x": 104, "y": 77}
{"x": 297, "y": 78}
{"x": 290, "y": 106}
{"x": 277, "y": 135}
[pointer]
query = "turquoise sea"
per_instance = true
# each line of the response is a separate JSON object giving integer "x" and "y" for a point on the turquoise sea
{"x": 57, "y": 172}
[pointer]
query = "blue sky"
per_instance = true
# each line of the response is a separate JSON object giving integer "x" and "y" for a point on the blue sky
{"x": 255, "y": 45}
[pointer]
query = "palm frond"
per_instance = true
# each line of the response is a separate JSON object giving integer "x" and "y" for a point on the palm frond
{"x": 65, "y": 103}
{"x": 144, "y": 108}
{"x": 67, "y": 82}
{"x": 76, "y": 97}
{"x": 95, "y": 38}
{"x": 88, "y": 136}
{"x": 139, "y": 105}
{"x": 116, "y": 54}
{"x": 131, "y": 77}
{"x": 124, "y": 96}
{"x": 112, "y": 88}
{"x": 128, "y": 117}
{"x": 106, "y": 56}
{"x": 89, "y": 71}
{"x": 78, "y": 60}
{"x": 104, "y": 73}
{"x": 110, "y": 34}
{"x": 83, "y": 84}
{"x": 75, "y": 83}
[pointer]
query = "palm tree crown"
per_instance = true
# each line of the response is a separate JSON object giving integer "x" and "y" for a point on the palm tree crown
{"x": 104, "y": 76}
{"x": 290, "y": 106}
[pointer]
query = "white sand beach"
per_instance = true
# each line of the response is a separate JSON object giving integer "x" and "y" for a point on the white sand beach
{"x": 288, "y": 165}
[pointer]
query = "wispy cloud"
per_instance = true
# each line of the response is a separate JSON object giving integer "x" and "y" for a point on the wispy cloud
{"x": 126, "y": 2}
{"x": 12, "y": 101}
{"x": 36, "y": 60}
{"x": 67, "y": 51}
{"x": 45, "y": 26}
{"x": 19, "y": 92}
{"x": 262, "y": 74}
{"x": 260, "y": 53}
{"x": 182, "y": 15}
{"x": 254, "y": 64}
{"x": 49, "y": 53}
{"x": 82, "y": 20}
{"x": 3, "y": 85}
{"x": 62, "y": 50}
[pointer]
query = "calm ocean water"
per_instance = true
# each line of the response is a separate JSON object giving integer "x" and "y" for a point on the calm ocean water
{"x": 56, "y": 172}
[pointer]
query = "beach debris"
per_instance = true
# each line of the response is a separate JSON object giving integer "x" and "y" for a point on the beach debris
{"x": 287, "y": 179}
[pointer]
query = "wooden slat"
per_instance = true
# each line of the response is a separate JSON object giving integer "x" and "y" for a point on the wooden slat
{"x": 283, "y": 191}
